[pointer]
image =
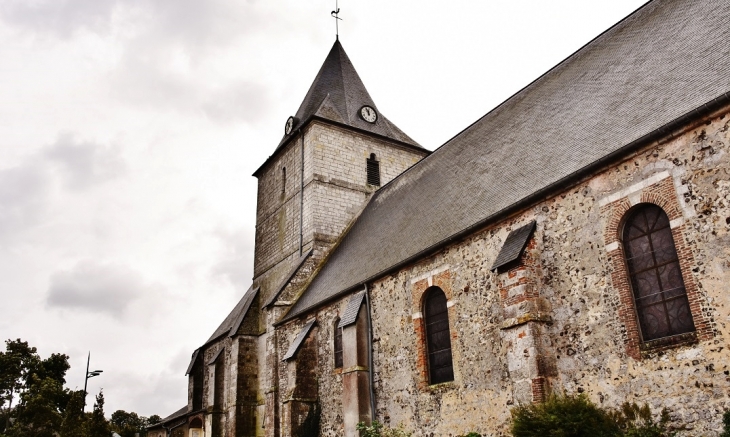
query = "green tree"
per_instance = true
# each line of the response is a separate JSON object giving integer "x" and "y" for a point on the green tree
{"x": 17, "y": 363}
{"x": 37, "y": 414}
{"x": 74, "y": 423}
{"x": 37, "y": 384}
{"x": 98, "y": 425}
{"x": 127, "y": 424}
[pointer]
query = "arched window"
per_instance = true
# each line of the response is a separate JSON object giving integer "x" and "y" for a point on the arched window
{"x": 196, "y": 427}
{"x": 338, "y": 344}
{"x": 373, "y": 167}
{"x": 656, "y": 280}
{"x": 438, "y": 337}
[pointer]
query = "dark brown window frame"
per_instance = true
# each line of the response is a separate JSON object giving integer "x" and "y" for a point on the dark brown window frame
{"x": 657, "y": 266}
{"x": 437, "y": 346}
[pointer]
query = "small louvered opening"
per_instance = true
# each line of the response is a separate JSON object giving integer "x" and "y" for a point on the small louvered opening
{"x": 373, "y": 170}
{"x": 283, "y": 179}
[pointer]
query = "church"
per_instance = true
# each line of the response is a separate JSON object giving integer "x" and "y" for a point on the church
{"x": 575, "y": 239}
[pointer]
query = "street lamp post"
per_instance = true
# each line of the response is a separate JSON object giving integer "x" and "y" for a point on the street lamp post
{"x": 91, "y": 374}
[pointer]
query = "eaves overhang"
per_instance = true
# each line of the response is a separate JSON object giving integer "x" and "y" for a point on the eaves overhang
{"x": 305, "y": 123}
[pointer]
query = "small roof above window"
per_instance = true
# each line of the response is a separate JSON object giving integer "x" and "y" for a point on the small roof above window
{"x": 298, "y": 341}
{"x": 217, "y": 354}
{"x": 353, "y": 307}
{"x": 514, "y": 245}
{"x": 192, "y": 361}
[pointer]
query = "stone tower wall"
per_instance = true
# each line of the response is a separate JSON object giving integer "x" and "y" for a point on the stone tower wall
{"x": 335, "y": 190}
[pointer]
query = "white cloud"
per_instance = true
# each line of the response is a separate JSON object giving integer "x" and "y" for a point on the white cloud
{"x": 236, "y": 262}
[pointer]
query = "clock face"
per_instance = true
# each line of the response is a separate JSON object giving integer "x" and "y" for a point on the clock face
{"x": 289, "y": 125}
{"x": 368, "y": 114}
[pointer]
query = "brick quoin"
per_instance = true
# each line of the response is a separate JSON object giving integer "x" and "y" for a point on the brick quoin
{"x": 662, "y": 194}
{"x": 441, "y": 280}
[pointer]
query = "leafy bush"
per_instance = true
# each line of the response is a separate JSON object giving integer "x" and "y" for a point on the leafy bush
{"x": 471, "y": 434}
{"x": 563, "y": 416}
{"x": 577, "y": 416}
{"x": 637, "y": 421}
{"x": 378, "y": 430}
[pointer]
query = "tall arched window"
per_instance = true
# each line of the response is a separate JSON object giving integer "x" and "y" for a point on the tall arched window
{"x": 438, "y": 337}
{"x": 656, "y": 280}
{"x": 338, "y": 344}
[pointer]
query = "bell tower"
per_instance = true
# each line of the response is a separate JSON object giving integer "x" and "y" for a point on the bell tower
{"x": 336, "y": 150}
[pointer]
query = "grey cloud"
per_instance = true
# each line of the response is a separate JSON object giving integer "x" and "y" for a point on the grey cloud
{"x": 24, "y": 191}
{"x": 99, "y": 288}
{"x": 84, "y": 163}
{"x": 235, "y": 263}
{"x": 196, "y": 25}
{"x": 160, "y": 393}
{"x": 201, "y": 23}
{"x": 59, "y": 17}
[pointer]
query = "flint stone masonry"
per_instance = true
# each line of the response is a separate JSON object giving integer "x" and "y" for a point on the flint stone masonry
{"x": 563, "y": 329}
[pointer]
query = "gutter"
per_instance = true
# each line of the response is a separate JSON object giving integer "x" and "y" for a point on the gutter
{"x": 667, "y": 132}
{"x": 371, "y": 352}
{"x": 301, "y": 200}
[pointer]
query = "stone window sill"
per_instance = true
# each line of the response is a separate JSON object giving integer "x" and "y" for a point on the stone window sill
{"x": 662, "y": 344}
{"x": 441, "y": 386}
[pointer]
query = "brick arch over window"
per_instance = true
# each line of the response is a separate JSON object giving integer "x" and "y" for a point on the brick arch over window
{"x": 438, "y": 336}
{"x": 659, "y": 293}
{"x": 619, "y": 214}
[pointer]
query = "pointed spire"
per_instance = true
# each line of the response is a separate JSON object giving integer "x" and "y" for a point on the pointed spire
{"x": 337, "y": 94}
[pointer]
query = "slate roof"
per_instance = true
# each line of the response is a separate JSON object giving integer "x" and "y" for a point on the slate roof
{"x": 287, "y": 278}
{"x": 513, "y": 245}
{"x": 651, "y": 69}
{"x": 214, "y": 358}
{"x": 176, "y": 415}
{"x": 233, "y": 321}
{"x": 294, "y": 347}
{"x": 193, "y": 359}
{"x": 337, "y": 94}
{"x": 353, "y": 307}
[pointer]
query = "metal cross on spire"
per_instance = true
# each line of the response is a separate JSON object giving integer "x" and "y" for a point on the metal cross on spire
{"x": 335, "y": 14}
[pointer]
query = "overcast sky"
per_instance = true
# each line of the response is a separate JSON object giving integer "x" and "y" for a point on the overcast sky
{"x": 129, "y": 130}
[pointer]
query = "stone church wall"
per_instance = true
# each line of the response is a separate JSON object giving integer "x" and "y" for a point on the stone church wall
{"x": 575, "y": 336}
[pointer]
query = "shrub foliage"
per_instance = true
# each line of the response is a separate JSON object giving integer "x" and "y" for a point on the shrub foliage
{"x": 577, "y": 416}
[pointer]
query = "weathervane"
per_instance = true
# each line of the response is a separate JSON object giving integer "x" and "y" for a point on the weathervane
{"x": 335, "y": 14}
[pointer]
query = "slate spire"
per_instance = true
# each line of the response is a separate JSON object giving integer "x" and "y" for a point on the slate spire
{"x": 337, "y": 94}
